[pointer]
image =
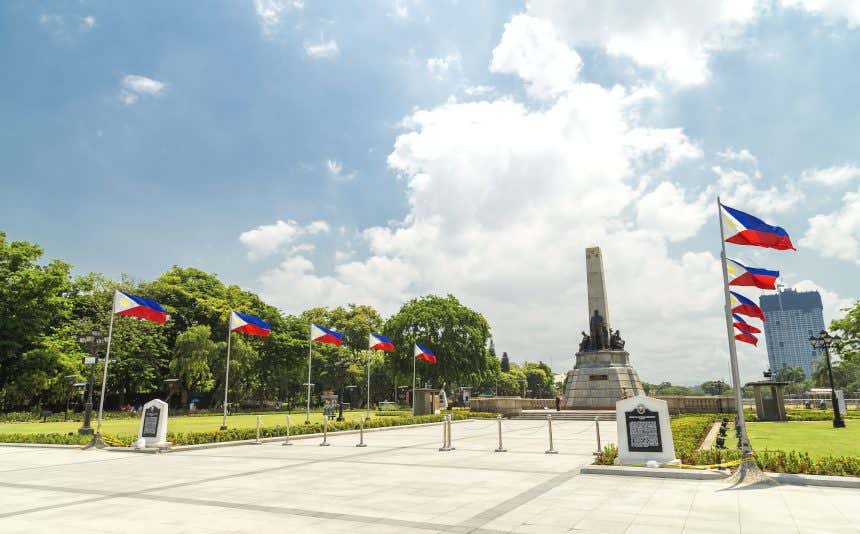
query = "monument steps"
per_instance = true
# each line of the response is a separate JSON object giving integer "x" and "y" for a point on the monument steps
{"x": 567, "y": 415}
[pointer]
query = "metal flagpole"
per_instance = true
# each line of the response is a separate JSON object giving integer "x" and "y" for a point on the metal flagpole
{"x": 413, "y": 382}
{"x": 367, "y": 408}
{"x": 308, "y": 412}
{"x": 97, "y": 437}
{"x": 227, "y": 373}
{"x": 746, "y": 449}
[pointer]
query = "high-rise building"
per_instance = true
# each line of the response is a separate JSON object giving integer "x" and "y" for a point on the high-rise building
{"x": 791, "y": 317}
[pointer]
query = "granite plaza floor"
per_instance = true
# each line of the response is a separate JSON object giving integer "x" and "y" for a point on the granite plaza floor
{"x": 399, "y": 483}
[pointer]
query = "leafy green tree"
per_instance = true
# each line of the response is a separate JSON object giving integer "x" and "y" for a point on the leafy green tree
{"x": 457, "y": 335}
{"x": 715, "y": 387}
{"x": 539, "y": 379}
{"x": 506, "y": 363}
{"x": 32, "y": 306}
{"x": 190, "y": 363}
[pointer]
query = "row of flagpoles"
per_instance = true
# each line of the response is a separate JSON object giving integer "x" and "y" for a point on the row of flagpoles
{"x": 149, "y": 310}
{"x": 741, "y": 228}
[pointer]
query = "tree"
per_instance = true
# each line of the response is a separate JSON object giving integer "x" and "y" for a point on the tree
{"x": 457, "y": 335}
{"x": 32, "y": 306}
{"x": 190, "y": 363}
{"x": 715, "y": 387}
{"x": 506, "y": 363}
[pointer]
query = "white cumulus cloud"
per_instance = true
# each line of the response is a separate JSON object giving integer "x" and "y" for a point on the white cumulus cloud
{"x": 830, "y": 10}
{"x": 675, "y": 39}
{"x": 268, "y": 239}
{"x": 837, "y": 175}
{"x": 439, "y": 67}
{"x": 335, "y": 171}
{"x": 133, "y": 86}
{"x": 837, "y": 234}
{"x": 739, "y": 189}
{"x": 322, "y": 50}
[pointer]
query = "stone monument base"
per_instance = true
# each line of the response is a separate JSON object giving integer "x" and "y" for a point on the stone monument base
{"x": 599, "y": 379}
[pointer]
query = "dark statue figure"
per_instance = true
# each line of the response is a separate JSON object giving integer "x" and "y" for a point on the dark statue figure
{"x": 615, "y": 342}
{"x": 599, "y": 334}
{"x": 585, "y": 344}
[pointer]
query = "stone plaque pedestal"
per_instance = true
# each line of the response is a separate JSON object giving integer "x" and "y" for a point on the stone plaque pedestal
{"x": 644, "y": 434}
{"x": 153, "y": 424}
{"x": 599, "y": 379}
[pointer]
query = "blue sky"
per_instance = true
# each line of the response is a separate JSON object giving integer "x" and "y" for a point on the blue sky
{"x": 476, "y": 148}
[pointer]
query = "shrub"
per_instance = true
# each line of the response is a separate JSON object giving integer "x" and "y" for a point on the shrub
{"x": 607, "y": 455}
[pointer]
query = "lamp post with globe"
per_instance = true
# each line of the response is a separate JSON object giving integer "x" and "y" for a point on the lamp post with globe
{"x": 823, "y": 342}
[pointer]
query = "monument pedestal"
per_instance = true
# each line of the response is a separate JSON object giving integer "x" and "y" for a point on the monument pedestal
{"x": 600, "y": 379}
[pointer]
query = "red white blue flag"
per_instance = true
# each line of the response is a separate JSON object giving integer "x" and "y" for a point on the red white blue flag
{"x": 744, "y": 326}
{"x": 741, "y": 275}
{"x": 744, "y": 306}
{"x": 248, "y": 324}
{"x": 139, "y": 307}
{"x": 744, "y": 229}
{"x": 380, "y": 342}
{"x": 747, "y": 338}
{"x": 424, "y": 354}
{"x": 325, "y": 335}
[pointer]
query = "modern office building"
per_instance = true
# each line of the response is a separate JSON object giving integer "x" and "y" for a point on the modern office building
{"x": 791, "y": 317}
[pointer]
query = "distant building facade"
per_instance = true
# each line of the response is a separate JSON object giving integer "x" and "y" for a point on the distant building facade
{"x": 791, "y": 317}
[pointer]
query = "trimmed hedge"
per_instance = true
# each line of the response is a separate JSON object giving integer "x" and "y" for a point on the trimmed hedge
{"x": 237, "y": 434}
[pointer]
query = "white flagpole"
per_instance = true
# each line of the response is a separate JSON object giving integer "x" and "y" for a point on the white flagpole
{"x": 746, "y": 449}
{"x": 308, "y": 412}
{"x": 413, "y": 381}
{"x": 227, "y": 371}
{"x": 98, "y": 435}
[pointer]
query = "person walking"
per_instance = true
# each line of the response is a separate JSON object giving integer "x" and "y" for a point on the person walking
{"x": 557, "y": 403}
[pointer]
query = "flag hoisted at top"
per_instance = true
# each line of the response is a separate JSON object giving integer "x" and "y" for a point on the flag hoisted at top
{"x": 140, "y": 307}
{"x": 248, "y": 324}
{"x": 744, "y": 229}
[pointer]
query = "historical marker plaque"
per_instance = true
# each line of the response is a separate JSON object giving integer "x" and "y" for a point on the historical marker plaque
{"x": 150, "y": 422}
{"x": 643, "y": 430}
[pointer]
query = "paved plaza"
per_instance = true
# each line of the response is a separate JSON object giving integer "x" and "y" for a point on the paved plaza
{"x": 399, "y": 483}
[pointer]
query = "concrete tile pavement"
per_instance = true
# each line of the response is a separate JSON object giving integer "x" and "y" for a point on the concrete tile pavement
{"x": 399, "y": 483}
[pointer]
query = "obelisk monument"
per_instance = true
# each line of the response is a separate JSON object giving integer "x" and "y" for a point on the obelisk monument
{"x": 602, "y": 374}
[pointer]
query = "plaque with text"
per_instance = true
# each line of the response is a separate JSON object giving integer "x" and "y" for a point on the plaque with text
{"x": 643, "y": 430}
{"x": 150, "y": 422}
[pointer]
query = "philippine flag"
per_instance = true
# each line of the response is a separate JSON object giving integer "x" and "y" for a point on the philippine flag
{"x": 747, "y": 338}
{"x": 379, "y": 342}
{"x": 744, "y": 306}
{"x": 142, "y": 308}
{"x": 248, "y": 324}
{"x": 744, "y": 326}
{"x": 741, "y": 275}
{"x": 325, "y": 335}
{"x": 424, "y": 354}
{"x": 744, "y": 229}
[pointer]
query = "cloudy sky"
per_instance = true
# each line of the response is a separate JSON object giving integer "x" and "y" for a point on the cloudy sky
{"x": 325, "y": 153}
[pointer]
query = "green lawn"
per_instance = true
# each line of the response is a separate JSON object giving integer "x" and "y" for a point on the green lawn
{"x": 196, "y": 423}
{"x": 818, "y": 438}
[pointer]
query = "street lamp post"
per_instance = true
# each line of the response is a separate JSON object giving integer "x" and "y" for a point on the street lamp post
{"x": 340, "y": 401}
{"x": 823, "y": 342}
{"x": 91, "y": 341}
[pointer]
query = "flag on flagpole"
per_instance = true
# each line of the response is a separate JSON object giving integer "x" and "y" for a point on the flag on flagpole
{"x": 744, "y": 326}
{"x": 142, "y": 308}
{"x": 744, "y": 306}
{"x": 744, "y": 229}
{"x": 747, "y": 338}
{"x": 380, "y": 342}
{"x": 741, "y": 275}
{"x": 248, "y": 324}
{"x": 424, "y": 354}
{"x": 325, "y": 335}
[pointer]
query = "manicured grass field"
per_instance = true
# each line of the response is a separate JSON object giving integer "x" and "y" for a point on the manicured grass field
{"x": 184, "y": 423}
{"x": 818, "y": 438}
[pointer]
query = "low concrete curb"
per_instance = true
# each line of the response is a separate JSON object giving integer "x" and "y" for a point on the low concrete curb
{"x": 41, "y": 445}
{"x": 816, "y": 480}
{"x": 652, "y": 472}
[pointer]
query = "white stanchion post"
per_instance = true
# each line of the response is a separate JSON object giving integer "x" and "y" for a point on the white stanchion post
{"x": 597, "y": 427}
{"x": 551, "y": 450}
{"x": 259, "y": 421}
{"x": 325, "y": 442}
{"x": 450, "y": 419}
{"x": 444, "y": 446}
{"x": 361, "y": 442}
{"x": 500, "y": 448}
{"x": 287, "y": 438}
